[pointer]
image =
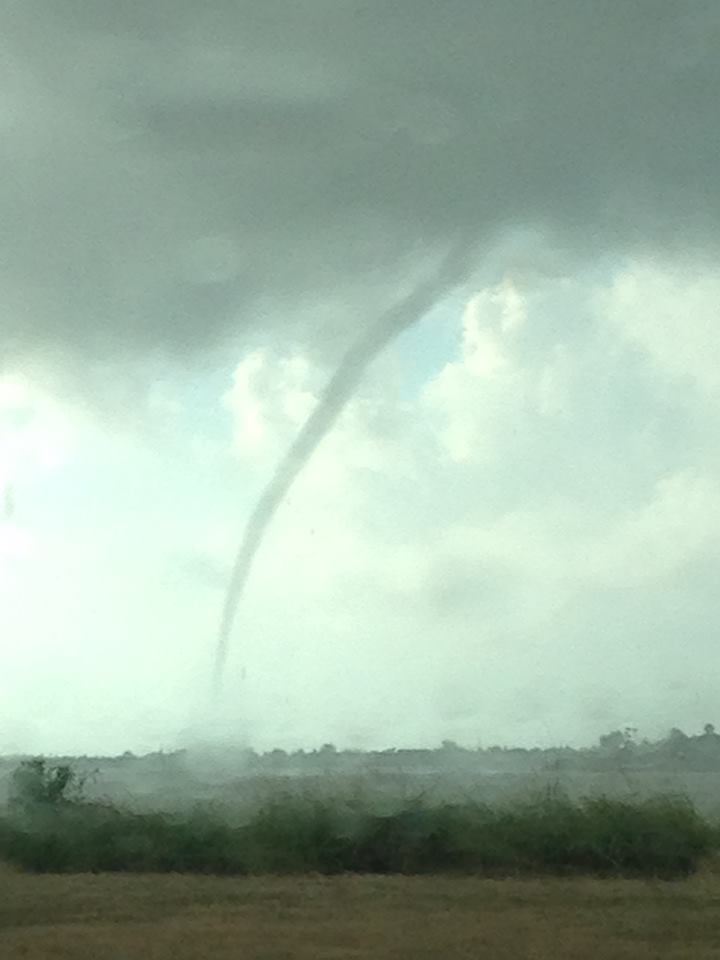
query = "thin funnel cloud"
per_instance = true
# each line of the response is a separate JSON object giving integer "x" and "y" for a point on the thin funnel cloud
{"x": 453, "y": 270}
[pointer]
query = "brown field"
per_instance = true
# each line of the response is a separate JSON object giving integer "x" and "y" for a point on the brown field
{"x": 108, "y": 917}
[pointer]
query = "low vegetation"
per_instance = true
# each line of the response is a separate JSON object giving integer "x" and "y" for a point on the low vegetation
{"x": 50, "y": 827}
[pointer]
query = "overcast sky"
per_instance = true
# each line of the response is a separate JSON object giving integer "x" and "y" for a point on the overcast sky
{"x": 511, "y": 533}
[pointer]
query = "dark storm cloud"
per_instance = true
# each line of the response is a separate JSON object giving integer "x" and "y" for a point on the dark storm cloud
{"x": 179, "y": 174}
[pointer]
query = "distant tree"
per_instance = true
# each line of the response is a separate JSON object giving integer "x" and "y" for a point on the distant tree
{"x": 613, "y": 741}
{"x": 709, "y": 730}
{"x": 630, "y": 736}
{"x": 34, "y": 783}
{"x": 676, "y": 744}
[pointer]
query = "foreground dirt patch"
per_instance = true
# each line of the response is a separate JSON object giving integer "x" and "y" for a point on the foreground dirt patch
{"x": 317, "y": 918}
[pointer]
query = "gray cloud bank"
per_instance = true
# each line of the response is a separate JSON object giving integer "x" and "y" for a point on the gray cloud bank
{"x": 180, "y": 176}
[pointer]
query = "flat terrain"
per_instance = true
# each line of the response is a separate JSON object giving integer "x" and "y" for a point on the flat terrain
{"x": 105, "y": 917}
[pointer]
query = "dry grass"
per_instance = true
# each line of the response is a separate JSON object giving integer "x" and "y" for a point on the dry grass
{"x": 108, "y": 917}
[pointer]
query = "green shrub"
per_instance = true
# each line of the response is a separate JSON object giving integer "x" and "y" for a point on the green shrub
{"x": 665, "y": 836}
{"x": 34, "y": 783}
{"x": 293, "y": 835}
{"x": 95, "y": 837}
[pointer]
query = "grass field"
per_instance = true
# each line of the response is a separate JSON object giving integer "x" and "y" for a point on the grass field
{"x": 183, "y": 917}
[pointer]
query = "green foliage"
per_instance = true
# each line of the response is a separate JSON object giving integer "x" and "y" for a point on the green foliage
{"x": 97, "y": 837}
{"x": 34, "y": 783}
{"x": 294, "y": 835}
{"x": 550, "y": 833}
{"x": 547, "y": 833}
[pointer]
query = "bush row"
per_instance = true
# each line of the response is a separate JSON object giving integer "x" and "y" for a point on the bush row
{"x": 663, "y": 837}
